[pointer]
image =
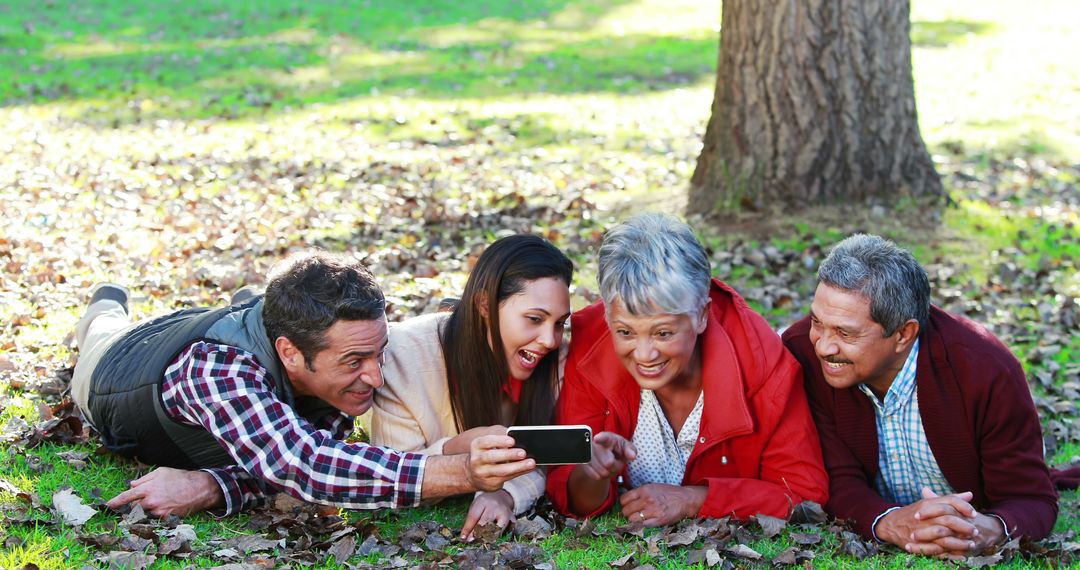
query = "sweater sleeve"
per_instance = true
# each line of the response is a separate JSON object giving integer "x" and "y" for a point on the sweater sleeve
{"x": 411, "y": 411}
{"x": 393, "y": 425}
{"x": 1016, "y": 481}
{"x": 791, "y": 468}
{"x": 851, "y": 492}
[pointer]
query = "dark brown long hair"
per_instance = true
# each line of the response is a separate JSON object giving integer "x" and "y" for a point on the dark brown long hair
{"x": 476, "y": 370}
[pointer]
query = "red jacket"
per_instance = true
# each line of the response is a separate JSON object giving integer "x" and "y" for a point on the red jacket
{"x": 979, "y": 419}
{"x": 757, "y": 449}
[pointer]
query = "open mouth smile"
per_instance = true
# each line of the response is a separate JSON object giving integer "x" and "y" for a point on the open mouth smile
{"x": 651, "y": 370}
{"x": 835, "y": 365}
{"x": 529, "y": 359}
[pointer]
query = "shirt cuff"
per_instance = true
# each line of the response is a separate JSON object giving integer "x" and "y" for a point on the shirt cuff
{"x": 231, "y": 491}
{"x": 410, "y": 480}
{"x": 873, "y": 527}
{"x": 1004, "y": 527}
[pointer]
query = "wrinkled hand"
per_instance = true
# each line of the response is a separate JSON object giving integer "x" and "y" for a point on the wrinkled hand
{"x": 934, "y": 525}
{"x": 657, "y": 504}
{"x": 460, "y": 443}
{"x": 485, "y": 508}
{"x": 492, "y": 461}
{"x": 610, "y": 454}
{"x": 946, "y": 531}
{"x": 166, "y": 491}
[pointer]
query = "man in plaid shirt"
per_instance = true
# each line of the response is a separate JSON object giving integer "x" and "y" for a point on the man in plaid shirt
{"x": 928, "y": 430}
{"x": 238, "y": 403}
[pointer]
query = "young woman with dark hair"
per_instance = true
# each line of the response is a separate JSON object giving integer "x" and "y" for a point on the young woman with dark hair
{"x": 492, "y": 362}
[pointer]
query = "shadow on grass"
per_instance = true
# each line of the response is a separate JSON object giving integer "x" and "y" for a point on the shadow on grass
{"x": 115, "y": 63}
{"x": 945, "y": 33}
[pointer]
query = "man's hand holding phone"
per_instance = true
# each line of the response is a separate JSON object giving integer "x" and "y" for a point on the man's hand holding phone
{"x": 492, "y": 460}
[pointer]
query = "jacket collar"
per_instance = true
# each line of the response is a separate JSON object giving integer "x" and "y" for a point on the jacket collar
{"x": 726, "y": 413}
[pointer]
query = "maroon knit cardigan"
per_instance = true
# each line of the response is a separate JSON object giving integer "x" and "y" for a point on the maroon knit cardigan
{"x": 979, "y": 419}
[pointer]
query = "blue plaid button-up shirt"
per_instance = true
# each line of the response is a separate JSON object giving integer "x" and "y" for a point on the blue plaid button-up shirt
{"x": 906, "y": 462}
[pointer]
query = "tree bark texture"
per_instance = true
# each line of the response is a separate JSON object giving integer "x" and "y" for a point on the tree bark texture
{"x": 814, "y": 104}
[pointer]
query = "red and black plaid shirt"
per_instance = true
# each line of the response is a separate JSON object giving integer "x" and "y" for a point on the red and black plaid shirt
{"x": 226, "y": 391}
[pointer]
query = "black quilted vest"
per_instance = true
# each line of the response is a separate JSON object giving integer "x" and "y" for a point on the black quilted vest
{"x": 125, "y": 387}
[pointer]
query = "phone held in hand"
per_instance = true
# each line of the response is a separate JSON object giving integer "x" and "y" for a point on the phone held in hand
{"x": 554, "y": 445}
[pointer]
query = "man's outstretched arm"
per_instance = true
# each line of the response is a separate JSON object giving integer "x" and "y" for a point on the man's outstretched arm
{"x": 491, "y": 461}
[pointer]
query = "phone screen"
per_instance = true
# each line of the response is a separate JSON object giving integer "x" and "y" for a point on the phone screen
{"x": 554, "y": 445}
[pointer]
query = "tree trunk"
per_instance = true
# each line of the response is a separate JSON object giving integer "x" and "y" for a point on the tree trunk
{"x": 814, "y": 104}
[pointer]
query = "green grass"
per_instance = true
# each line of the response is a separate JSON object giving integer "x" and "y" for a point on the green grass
{"x": 113, "y": 62}
{"x": 945, "y": 33}
{"x": 56, "y": 547}
{"x": 962, "y": 91}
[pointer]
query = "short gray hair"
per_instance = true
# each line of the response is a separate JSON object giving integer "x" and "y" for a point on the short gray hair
{"x": 887, "y": 275}
{"x": 654, "y": 260}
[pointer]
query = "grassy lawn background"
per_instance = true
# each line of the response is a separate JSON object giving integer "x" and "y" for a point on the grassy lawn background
{"x": 181, "y": 149}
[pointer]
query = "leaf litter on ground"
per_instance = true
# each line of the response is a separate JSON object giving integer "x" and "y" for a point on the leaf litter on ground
{"x": 185, "y": 212}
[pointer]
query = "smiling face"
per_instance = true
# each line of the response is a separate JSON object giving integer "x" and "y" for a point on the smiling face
{"x": 851, "y": 346}
{"x": 346, "y": 373}
{"x": 531, "y": 323}
{"x": 658, "y": 350}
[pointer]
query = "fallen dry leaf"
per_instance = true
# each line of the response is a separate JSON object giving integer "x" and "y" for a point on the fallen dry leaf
{"x": 135, "y": 515}
{"x": 982, "y": 561}
{"x": 684, "y": 536}
{"x": 808, "y": 512}
{"x": 487, "y": 533}
{"x": 791, "y": 556}
{"x": 744, "y": 551}
{"x": 805, "y": 538}
{"x": 183, "y": 532}
{"x": 128, "y": 560}
{"x": 854, "y": 546}
{"x": 533, "y": 528}
{"x": 343, "y": 549}
{"x": 174, "y": 546}
{"x": 770, "y": 526}
{"x": 71, "y": 508}
{"x": 519, "y": 555}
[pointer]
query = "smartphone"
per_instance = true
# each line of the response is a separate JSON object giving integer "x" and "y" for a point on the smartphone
{"x": 554, "y": 445}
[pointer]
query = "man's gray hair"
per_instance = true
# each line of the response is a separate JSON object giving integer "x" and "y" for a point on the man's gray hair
{"x": 653, "y": 261}
{"x": 887, "y": 275}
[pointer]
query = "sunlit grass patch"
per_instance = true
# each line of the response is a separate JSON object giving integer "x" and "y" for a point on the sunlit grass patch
{"x": 240, "y": 62}
{"x": 38, "y": 550}
{"x": 1011, "y": 84}
{"x": 17, "y": 406}
{"x": 943, "y": 33}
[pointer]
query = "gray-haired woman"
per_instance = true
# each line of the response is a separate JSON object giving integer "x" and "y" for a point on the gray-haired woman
{"x": 697, "y": 408}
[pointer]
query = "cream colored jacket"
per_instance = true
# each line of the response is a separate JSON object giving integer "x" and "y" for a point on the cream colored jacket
{"x": 412, "y": 410}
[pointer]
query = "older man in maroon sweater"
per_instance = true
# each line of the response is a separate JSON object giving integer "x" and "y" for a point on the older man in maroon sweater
{"x": 929, "y": 433}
